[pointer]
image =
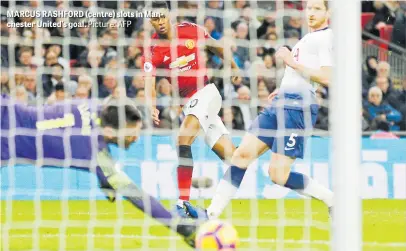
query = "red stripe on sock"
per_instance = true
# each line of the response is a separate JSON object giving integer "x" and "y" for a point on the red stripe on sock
{"x": 184, "y": 181}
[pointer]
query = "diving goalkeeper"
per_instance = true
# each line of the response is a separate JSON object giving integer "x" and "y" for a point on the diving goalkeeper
{"x": 69, "y": 132}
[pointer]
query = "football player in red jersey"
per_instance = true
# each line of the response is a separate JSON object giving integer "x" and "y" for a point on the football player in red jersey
{"x": 175, "y": 48}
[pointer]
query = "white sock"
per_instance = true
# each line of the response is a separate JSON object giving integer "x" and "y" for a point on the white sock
{"x": 318, "y": 191}
{"x": 224, "y": 193}
{"x": 180, "y": 203}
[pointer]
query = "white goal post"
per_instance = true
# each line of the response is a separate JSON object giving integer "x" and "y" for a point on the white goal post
{"x": 346, "y": 125}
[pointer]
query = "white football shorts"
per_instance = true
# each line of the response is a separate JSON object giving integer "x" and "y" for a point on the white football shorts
{"x": 205, "y": 106}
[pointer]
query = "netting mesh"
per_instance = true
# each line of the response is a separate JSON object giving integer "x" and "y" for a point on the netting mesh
{"x": 101, "y": 59}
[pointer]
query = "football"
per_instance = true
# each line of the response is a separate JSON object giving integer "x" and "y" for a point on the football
{"x": 216, "y": 235}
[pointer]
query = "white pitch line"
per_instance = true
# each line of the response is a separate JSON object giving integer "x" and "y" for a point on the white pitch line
{"x": 244, "y": 240}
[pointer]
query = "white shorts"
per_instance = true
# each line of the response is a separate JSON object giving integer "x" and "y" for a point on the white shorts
{"x": 205, "y": 106}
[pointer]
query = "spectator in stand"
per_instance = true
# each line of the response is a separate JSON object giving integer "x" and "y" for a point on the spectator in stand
{"x": 388, "y": 92}
{"x": 244, "y": 96}
{"x": 381, "y": 112}
{"x": 135, "y": 23}
{"x": 400, "y": 104}
{"x": 30, "y": 84}
{"x": 139, "y": 37}
{"x": 232, "y": 118}
{"x": 247, "y": 16}
{"x": 60, "y": 93}
{"x": 368, "y": 73}
{"x": 106, "y": 40}
{"x": 4, "y": 84}
{"x": 294, "y": 23}
{"x": 112, "y": 28}
{"x": 138, "y": 83}
{"x": 30, "y": 32}
{"x": 383, "y": 70}
{"x": 108, "y": 86}
{"x": 85, "y": 81}
{"x": 292, "y": 37}
{"x": 50, "y": 58}
{"x": 10, "y": 33}
{"x": 265, "y": 70}
{"x": 19, "y": 75}
{"x": 236, "y": 11}
{"x": 164, "y": 93}
{"x": 57, "y": 76}
{"x": 399, "y": 30}
{"x": 263, "y": 95}
{"x": 271, "y": 43}
{"x": 101, "y": 45}
{"x": 82, "y": 92}
{"x": 367, "y": 6}
{"x": 268, "y": 25}
{"x": 57, "y": 49}
{"x": 21, "y": 94}
{"x": 230, "y": 88}
{"x": 171, "y": 117}
{"x": 82, "y": 38}
{"x": 242, "y": 51}
{"x": 140, "y": 100}
{"x": 138, "y": 61}
{"x": 210, "y": 25}
{"x": 94, "y": 59}
{"x": 110, "y": 83}
{"x": 25, "y": 55}
{"x": 131, "y": 57}
{"x": 383, "y": 16}
{"x": 215, "y": 5}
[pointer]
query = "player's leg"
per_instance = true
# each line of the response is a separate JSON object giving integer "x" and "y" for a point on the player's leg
{"x": 188, "y": 131}
{"x": 281, "y": 174}
{"x": 119, "y": 182}
{"x": 249, "y": 150}
{"x": 198, "y": 111}
{"x": 253, "y": 144}
{"x": 224, "y": 148}
{"x": 285, "y": 153}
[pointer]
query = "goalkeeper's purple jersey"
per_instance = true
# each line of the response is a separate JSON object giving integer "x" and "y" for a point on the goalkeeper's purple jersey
{"x": 63, "y": 134}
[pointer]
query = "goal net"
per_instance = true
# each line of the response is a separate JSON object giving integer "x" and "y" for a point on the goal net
{"x": 58, "y": 51}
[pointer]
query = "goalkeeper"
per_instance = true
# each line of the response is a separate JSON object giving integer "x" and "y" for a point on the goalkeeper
{"x": 68, "y": 131}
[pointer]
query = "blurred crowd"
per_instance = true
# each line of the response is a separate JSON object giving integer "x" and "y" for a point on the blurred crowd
{"x": 387, "y": 12}
{"x": 83, "y": 62}
{"x": 384, "y": 103}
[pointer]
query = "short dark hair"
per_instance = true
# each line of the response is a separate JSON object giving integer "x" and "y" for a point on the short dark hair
{"x": 59, "y": 86}
{"x": 159, "y": 5}
{"x": 25, "y": 49}
{"x": 110, "y": 115}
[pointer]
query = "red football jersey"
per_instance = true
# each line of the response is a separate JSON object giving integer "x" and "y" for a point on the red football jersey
{"x": 189, "y": 65}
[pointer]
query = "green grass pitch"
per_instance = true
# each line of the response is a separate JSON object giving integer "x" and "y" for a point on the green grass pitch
{"x": 101, "y": 225}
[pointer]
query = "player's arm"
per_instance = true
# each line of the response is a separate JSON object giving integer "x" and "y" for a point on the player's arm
{"x": 150, "y": 88}
{"x": 113, "y": 180}
{"x": 322, "y": 75}
{"x": 150, "y": 91}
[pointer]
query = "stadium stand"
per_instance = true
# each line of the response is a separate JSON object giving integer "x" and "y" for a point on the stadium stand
{"x": 53, "y": 64}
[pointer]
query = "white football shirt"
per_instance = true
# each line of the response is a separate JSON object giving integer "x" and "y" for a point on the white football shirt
{"x": 313, "y": 51}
